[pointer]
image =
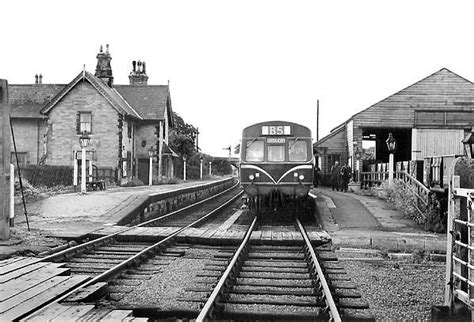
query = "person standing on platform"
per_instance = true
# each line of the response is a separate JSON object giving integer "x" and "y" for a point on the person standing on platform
{"x": 345, "y": 177}
{"x": 317, "y": 174}
{"x": 335, "y": 176}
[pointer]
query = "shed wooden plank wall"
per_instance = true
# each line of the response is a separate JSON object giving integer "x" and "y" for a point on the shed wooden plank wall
{"x": 433, "y": 142}
{"x": 335, "y": 144}
{"x": 441, "y": 91}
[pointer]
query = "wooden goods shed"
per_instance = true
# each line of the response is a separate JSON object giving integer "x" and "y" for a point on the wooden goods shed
{"x": 427, "y": 118}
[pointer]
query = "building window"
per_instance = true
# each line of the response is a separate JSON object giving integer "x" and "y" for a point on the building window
{"x": 22, "y": 158}
{"x": 84, "y": 122}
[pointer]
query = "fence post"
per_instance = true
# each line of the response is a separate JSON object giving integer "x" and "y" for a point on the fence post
{"x": 12, "y": 195}
{"x": 74, "y": 175}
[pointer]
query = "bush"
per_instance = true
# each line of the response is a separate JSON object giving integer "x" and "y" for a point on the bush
{"x": 437, "y": 216}
{"x": 433, "y": 216}
{"x": 404, "y": 200}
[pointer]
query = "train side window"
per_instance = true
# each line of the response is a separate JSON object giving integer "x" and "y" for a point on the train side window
{"x": 297, "y": 150}
{"x": 276, "y": 153}
{"x": 254, "y": 151}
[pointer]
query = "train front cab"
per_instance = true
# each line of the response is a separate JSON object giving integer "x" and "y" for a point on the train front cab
{"x": 276, "y": 166}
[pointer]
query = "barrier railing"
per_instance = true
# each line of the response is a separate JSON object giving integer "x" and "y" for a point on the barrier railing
{"x": 370, "y": 179}
{"x": 460, "y": 248}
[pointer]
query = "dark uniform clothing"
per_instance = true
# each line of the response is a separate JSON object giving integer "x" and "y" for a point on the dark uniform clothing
{"x": 335, "y": 177}
{"x": 345, "y": 177}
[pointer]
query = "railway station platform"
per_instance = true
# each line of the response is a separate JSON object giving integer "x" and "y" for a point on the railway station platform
{"x": 351, "y": 220}
{"x": 360, "y": 221}
{"x": 72, "y": 215}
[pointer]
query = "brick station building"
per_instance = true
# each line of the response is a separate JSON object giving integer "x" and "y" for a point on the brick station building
{"x": 427, "y": 118}
{"x": 123, "y": 122}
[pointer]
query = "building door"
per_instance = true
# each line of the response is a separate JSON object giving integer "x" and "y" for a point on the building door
{"x": 143, "y": 170}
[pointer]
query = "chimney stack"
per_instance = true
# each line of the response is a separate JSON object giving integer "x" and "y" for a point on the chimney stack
{"x": 138, "y": 75}
{"x": 104, "y": 68}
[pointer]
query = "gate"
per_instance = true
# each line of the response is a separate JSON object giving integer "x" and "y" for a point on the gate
{"x": 460, "y": 247}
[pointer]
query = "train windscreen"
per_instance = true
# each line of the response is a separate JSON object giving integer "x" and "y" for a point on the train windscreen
{"x": 276, "y": 153}
{"x": 297, "y": 150}
{"x": 254, "y": 151}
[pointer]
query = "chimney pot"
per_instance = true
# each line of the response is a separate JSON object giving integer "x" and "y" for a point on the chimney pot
{"x": 40, "y": 79}
{"x": 107, "y": 48}
{"x": 101, "y": 48}
{"x": 36, "y": 78}
{"x": 134, "y": 64}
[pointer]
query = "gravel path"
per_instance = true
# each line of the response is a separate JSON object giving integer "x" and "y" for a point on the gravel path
{"x": 399, "y": 291}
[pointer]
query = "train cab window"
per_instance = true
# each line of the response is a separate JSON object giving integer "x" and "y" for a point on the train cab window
{"x": 297, "y": 150}
{"x": 276, "y": 153}
{"x": 254, "y": 151}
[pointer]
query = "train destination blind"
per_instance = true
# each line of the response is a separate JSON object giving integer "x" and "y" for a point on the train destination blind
{"x": 276, "y": 130}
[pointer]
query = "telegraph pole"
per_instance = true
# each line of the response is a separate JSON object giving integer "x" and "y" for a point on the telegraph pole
{"x": 317, "y": 121}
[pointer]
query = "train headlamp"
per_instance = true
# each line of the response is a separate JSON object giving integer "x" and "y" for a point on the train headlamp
{"x": 301, "y": 177}
{"x": 251, "y": 177}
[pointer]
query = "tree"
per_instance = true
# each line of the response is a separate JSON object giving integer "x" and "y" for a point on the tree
{"x": 183, "y": 137}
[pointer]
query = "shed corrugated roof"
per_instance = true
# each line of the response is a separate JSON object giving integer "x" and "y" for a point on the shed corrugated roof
{"x": 150, "y": 101}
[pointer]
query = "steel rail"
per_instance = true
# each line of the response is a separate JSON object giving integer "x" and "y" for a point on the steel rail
{"x": 209, "y": 306}
{"x": 331, "y": 305}
{"x": 117, "y": 268}
{"x": 102, "y": 240}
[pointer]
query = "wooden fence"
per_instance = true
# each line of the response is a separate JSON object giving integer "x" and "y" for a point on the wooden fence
{"x": 460, "y": 248}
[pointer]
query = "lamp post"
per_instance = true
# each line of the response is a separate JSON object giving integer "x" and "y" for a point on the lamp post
{"x": 184, "y": 167}
{"x": 468, "y": 143}
{"x": 151, "y": 154}
{"x": 84, "y": 142}
{"x": 392, "y": 146}
{"x": 200, "y": 168}
{"x": 357, "y": 163}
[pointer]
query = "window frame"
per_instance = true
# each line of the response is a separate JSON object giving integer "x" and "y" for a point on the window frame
{"x": 283, "y": 149}
{"x": 80, "y": 122}
{"x": 293, "y": 142}
{"x": 262, "y": 158}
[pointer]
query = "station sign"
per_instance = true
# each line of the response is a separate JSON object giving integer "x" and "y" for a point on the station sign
{"x": 276, "y": 130}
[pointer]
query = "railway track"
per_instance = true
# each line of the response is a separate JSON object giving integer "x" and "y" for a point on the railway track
{"x": 283, "y": 282}
{"x": 106, "y": 257}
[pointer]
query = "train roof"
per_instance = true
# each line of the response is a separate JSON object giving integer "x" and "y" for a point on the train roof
{"x": 295, "y": 129}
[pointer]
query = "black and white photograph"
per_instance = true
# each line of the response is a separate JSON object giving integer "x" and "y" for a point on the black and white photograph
{"x": 236, "y": 160}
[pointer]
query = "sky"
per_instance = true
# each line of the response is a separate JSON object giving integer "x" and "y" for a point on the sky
{"x": 231, "y": 64}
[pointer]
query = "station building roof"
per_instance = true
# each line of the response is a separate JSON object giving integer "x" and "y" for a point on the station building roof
{"x": 143, "y": 102}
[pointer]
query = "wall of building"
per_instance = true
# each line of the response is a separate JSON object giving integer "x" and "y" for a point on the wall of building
{"x": 433, "y": 142}
{"x": 63, "y": 138}
{"x": 29, "y": 138}
{"x": 145, "y": 138}
{"x": 335, "y": 148}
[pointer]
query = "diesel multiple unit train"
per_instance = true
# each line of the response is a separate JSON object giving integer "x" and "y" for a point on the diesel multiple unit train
{"x": 276, "y": 163}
